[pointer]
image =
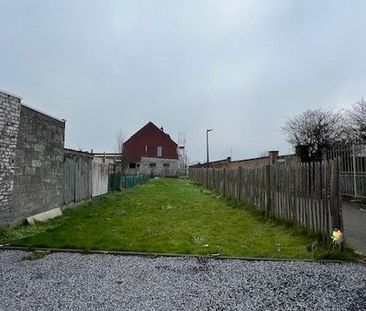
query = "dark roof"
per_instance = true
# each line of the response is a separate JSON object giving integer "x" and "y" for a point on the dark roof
{"x": 149, "y": 125}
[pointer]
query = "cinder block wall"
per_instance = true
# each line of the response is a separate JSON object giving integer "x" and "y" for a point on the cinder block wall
{"x": 38, "y": 175}
{"x": 9, "y": 125}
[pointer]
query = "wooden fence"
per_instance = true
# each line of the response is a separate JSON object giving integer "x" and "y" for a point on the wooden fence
{"x": 306, "y": 194}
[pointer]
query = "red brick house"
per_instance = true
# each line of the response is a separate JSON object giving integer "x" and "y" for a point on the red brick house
{"x": 150, "y": 151}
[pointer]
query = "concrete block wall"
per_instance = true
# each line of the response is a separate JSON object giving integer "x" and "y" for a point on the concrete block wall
{"x": 9, "y": 126}
{"x": 38, "y": 174}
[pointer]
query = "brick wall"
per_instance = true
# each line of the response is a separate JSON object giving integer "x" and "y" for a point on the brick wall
{"x": 9, "y": 125}
{"x": 250, "y": 163}
{"x": 38, "y": 175}
{"x": 272, "y": 158}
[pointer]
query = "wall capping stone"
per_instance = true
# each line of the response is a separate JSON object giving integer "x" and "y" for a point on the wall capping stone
{"x": 45, "y": 114}
{"x": 10, "y": 94}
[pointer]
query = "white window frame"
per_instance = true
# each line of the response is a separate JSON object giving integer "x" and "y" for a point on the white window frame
{"x": 159, "y": 151}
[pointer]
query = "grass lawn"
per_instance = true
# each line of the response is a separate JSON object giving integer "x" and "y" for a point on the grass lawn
{"x": 169, "y": 216}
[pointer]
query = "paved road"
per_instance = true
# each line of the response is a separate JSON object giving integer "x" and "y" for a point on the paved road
{"x": 354, "y": 220}
{"x": 104, "y": 282}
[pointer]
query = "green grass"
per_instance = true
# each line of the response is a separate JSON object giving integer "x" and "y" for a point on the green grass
{"x": 170, "y": 216}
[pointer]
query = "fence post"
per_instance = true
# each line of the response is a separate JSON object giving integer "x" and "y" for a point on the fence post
{"x": 354, "y": 171}
{"x": 268, "y": 190}
{"x": 239, "y": 184}
{"x": 224, "y": 190}
{"x": 335, "y": 197}
{"x": 206, "y": 177}
{"x": 76, "y": 180}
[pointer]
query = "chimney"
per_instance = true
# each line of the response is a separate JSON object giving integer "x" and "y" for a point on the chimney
{"x": 162, "y": 129}
{"x": 228, "y": 159}
{"x": 273, "y": 157}
{"x": 302, "y": 151}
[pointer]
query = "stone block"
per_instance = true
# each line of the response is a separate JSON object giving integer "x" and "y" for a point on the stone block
{"x": 45, "y": 216}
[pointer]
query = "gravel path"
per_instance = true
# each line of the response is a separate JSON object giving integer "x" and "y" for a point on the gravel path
{"x": 104, "y": 282}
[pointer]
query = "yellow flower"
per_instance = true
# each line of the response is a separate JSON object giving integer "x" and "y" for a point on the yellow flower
{"x": 337, "y": 236}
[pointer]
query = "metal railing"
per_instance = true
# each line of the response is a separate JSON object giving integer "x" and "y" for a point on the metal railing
{"x": 352, "y": 169}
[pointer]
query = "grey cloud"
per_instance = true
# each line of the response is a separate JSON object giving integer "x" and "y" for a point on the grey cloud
{"x": 240, "y": 67}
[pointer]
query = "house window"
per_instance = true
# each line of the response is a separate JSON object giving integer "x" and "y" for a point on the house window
{"x": 145, "y": 148}
{"x": 132, "y": 165}
{"x": 159, "y": 151}
{"x": 166, "y": 164}
{"x": 152, "y": 164}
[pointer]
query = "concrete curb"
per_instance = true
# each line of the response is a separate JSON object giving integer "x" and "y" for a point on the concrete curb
{"x": 155, "y": 255}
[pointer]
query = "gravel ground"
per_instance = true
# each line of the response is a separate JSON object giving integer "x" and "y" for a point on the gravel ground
{"x": 63, "y": 281}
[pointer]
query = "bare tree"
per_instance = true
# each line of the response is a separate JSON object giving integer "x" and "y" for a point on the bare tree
{"x": 318, "y": 129}
{"x": 120, "y": 139}
{"x": 356, "y": 117}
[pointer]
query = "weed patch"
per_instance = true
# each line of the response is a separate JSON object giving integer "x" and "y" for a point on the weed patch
{"x": 35, "y": 255}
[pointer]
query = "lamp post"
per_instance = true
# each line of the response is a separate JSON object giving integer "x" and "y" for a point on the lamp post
{"x": 207, "y": 149}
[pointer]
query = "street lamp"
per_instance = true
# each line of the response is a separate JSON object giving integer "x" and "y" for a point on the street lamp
{"x": 207, "y": 149}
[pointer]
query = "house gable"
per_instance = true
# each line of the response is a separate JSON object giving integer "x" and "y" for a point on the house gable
{"x": 149, "y": 141}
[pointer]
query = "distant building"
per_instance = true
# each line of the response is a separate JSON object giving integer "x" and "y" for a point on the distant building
{"x": 272, "y": 158}
{"x": 151, "y": 152}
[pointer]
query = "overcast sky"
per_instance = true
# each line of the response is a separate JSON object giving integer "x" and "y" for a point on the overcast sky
{"x": 238, "y": 67}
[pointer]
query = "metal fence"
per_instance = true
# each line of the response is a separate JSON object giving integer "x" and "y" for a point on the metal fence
{"x": 352, "y": 169}
{"x": 117, "y": 181}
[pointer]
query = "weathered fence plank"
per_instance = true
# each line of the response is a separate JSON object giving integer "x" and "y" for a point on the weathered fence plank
{"x": 335, "y": 197}
{"x": 307, "y": 194}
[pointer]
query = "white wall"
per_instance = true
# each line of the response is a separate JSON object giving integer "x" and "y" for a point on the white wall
{"x": 99, "y": 178}
{"x": 159, "y": 170}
